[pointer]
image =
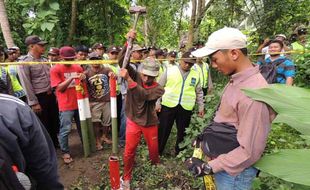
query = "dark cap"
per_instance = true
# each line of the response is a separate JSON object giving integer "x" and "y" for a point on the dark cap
{"x": 53, "y": 51}
{"x": 94, "y": 56}
{"x": 152, "y": 48}
{"x": 172, "y": 54}
{"x": 192, "y": 49}
{"x": 113, "y": 49}
{"x": 67, "y": 52}
{"x": 34, "y": 40}
{"x": 160, "y": 52}
{"x": 11, "y": 50}
{"x": 98, "y": 46}
{"x": 188, "y": 57}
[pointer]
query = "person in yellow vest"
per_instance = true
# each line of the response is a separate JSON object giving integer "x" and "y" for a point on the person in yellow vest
{"x": 160, "y": 55}
{"x": 172, "y": 55}
{"x": 182, "y": 90}
{"x": 11, "y": 70}
{"x": 299, "y": 45}
{"x": 203, "y": 69}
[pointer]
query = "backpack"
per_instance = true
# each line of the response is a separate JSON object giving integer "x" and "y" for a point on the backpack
{"x": 269, "y": 70}
{"x": 8, "y": 177}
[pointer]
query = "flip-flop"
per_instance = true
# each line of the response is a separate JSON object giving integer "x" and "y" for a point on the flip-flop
{"x": 99, "y": 147}
{"x": 67, "y": 158}
{"x": 106, "y": 140}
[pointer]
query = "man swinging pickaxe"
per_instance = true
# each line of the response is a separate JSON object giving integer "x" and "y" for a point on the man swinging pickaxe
{"x": 114, "y": 160}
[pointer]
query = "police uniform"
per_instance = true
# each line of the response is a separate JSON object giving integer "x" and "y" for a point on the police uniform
{"x": 35, "y": 80}
{"x": 182, "y": 90}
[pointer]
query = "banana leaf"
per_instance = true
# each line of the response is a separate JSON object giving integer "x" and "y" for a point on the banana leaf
{"x": 291, "y": 165}
{"x": 293, "y": 107}
{"x": 291, "y": 103}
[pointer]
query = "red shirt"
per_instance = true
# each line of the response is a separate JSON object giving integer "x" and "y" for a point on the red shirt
{"x": 67, "y": 100}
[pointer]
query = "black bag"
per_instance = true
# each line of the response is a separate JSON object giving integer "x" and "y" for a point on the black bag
{"x": 269, "y": 70}
{"x": 218, "y": 138}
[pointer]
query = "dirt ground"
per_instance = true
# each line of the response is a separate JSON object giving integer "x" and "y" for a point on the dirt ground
{"x": 82, "y": 168}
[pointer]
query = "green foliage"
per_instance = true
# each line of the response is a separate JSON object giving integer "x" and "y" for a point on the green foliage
{"x": 164, "y": 21}
{"x": 302, "y": 62}
{"x": 292, "y": 106}
{"x": 290, "y": 165}
{"x": 40, "y": 16}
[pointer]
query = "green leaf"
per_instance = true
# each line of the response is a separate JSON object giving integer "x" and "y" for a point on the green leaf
{"x": 54, "y": 6}
{"x": 47, "y": 25}
{"x": 50, "y": 26}
{"x": 290, "y": 165}
{"x": 43, "y": 13}
{"x": 291, "y": 104}
{"x": 27, "y": 25}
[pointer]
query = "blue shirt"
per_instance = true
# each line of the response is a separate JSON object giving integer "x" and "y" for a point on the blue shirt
{"x": 285, "y": 70}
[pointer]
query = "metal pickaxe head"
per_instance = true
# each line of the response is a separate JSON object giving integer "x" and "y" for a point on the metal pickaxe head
{"x": 137, "y": 10}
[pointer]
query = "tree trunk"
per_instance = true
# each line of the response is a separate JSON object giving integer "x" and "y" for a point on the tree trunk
{"x": 198, "y": 14}
{"x": 72, "y": 30}
{"x": 5, "y": 26}
{"x": 180, "y": 21}
{"x": 192, "y": 24}
{"x": 146, "y": 35}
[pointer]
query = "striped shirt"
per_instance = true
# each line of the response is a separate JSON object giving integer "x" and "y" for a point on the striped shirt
{"x": 284, "y": 70}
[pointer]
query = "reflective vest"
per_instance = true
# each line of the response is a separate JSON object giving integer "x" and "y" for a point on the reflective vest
{"x": 11, "y": 70}
{"x": 297, "y": 46}
{"x": 203, "y": 73}
{"x": 162, "y": 69}
{"x": 180, "y": 91}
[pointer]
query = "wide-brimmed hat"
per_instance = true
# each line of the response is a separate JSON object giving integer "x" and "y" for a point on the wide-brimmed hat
{"x": 150, "y": 67}
{"x": 136, "y": 47}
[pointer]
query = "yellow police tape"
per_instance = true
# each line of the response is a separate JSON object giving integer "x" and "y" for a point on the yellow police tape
{"x": 93, "y": 62}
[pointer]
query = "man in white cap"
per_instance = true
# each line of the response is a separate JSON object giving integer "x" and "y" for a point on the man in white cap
{"x": 250, "y": 119}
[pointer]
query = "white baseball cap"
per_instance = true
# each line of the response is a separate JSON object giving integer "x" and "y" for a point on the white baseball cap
{"x": 225, "y": 38}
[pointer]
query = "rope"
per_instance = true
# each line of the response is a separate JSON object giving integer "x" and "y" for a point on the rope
{"x": 92, "y": 62}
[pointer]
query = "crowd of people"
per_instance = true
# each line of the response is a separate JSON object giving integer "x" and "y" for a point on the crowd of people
{"x": 154, "y": 90}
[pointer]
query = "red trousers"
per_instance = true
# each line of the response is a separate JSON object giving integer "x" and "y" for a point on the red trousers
{"x": 133, "y": 135}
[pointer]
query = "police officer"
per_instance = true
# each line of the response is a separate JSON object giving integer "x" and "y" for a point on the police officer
{"x": 35, "y": 79}
{"x": 182, "y": 89}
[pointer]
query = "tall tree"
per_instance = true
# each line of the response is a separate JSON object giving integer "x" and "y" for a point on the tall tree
{"x": 73, "y": 21}
{"x": 199, "y": 9}
{"x": 5, "y": 26}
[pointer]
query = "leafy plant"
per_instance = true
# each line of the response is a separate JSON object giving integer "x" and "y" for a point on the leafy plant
{"x": 292, "y": 106}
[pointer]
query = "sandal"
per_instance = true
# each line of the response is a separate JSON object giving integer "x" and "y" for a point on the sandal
{"x": 67, "y": 158}
{"x": 99, "y": 147}
{"x": 106, "y": 140}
